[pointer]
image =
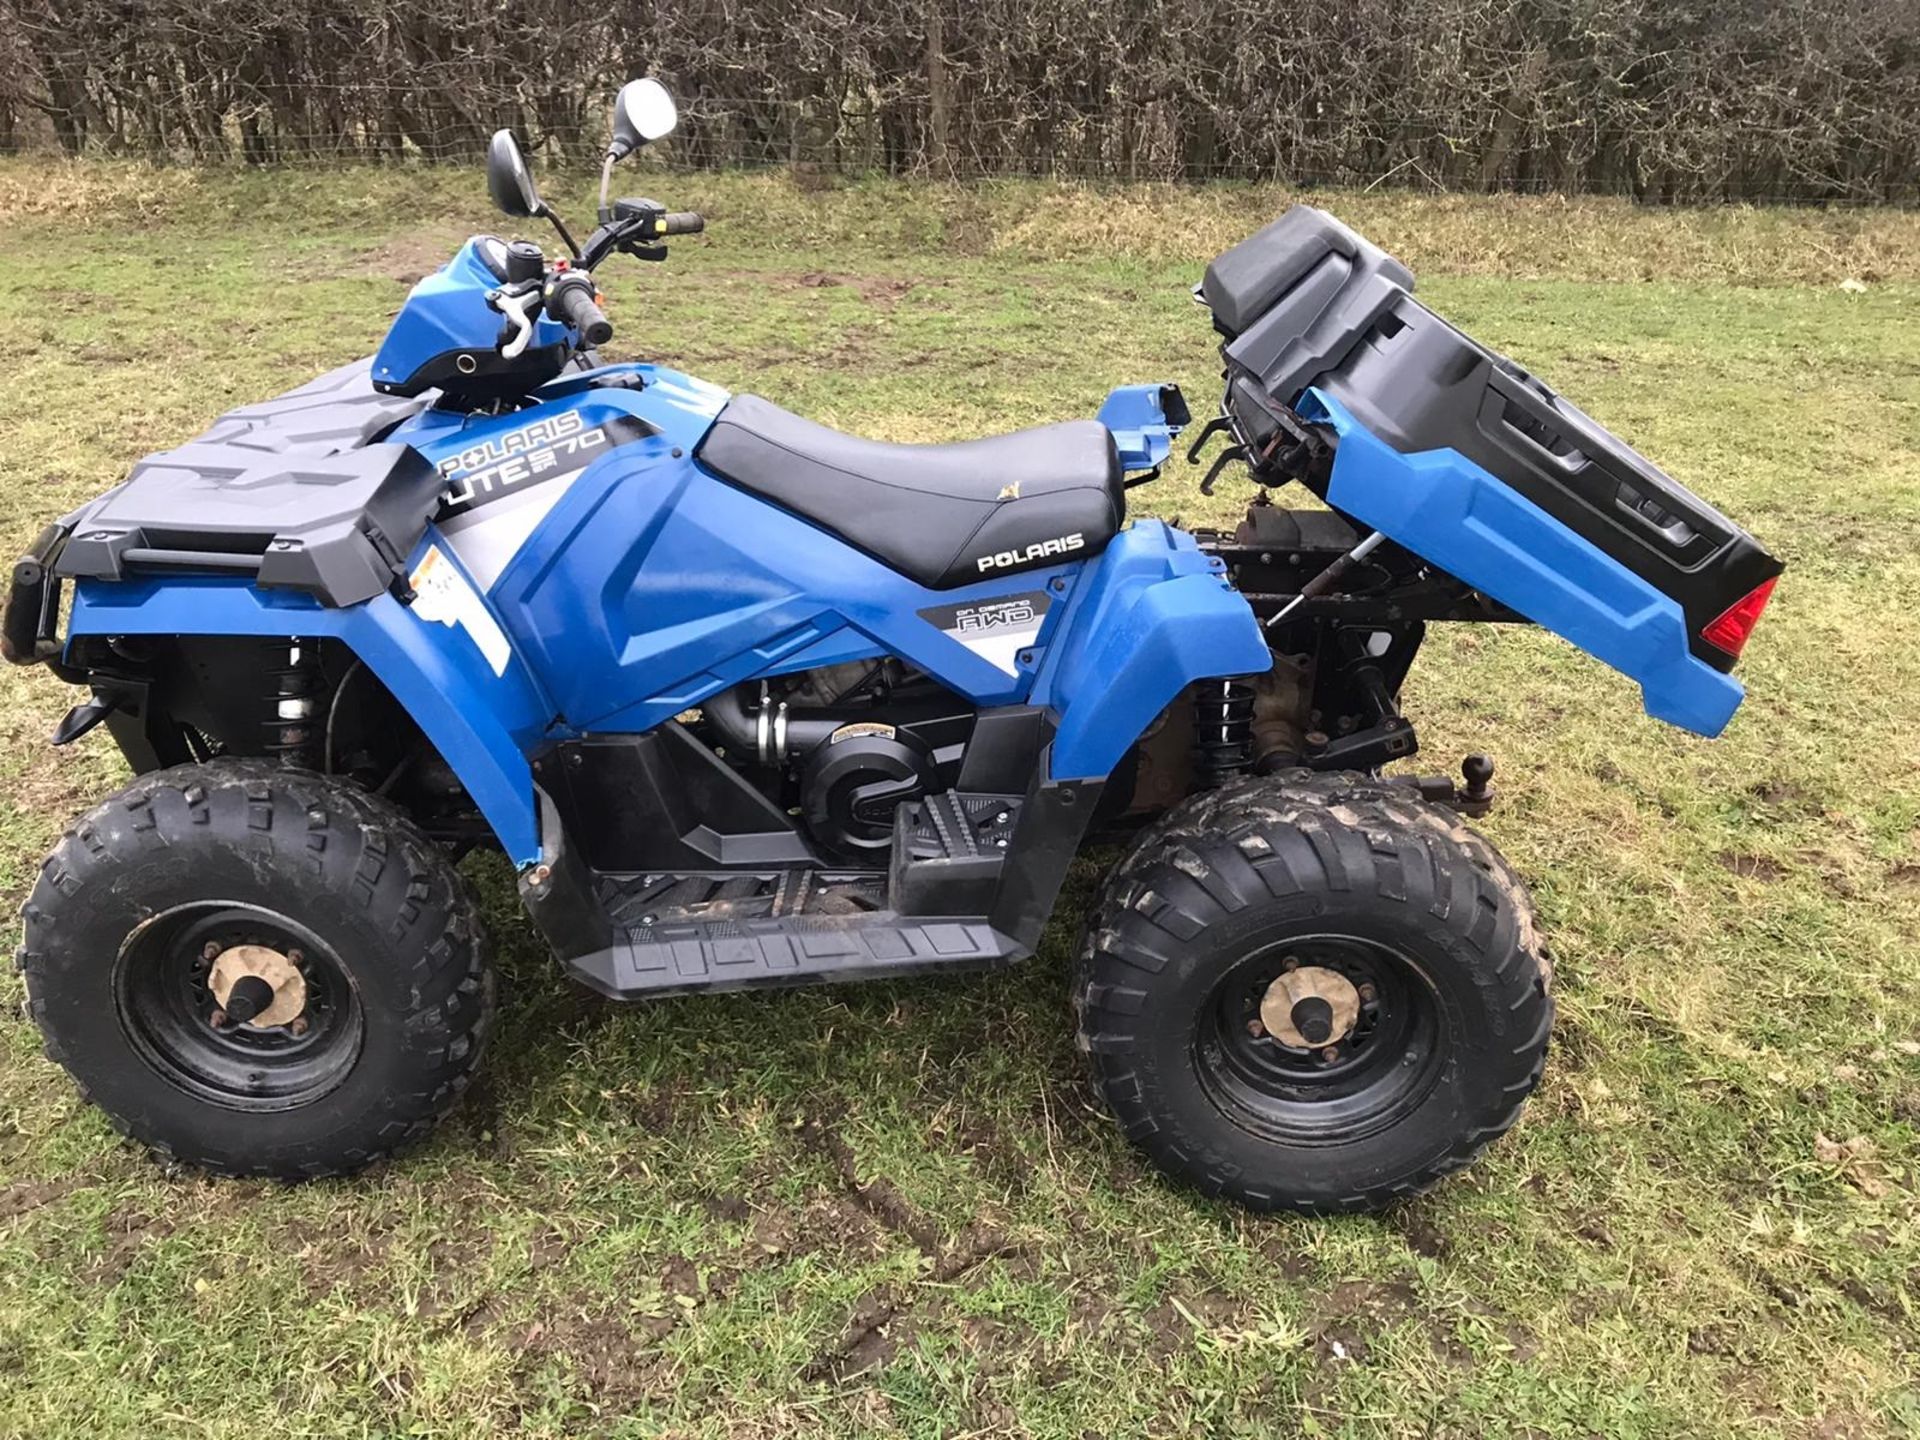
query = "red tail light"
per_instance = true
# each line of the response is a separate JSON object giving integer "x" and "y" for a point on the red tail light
{"x": 1730, "y": 631}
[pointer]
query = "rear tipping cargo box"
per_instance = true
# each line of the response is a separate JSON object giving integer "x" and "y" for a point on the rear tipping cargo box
{"x": 1462, "y": 457}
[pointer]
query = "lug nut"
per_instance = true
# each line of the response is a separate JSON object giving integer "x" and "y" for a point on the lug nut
{"x": 1368, "y": 994}
{"x": 296, "y": 957}
{"x": 218, "y": 1019}
{"x": 298, "y": 1025}
{"x": 1256, "y": 1030}
{"x": 1330, "y": 1054}
{"x": 210, "y": 950}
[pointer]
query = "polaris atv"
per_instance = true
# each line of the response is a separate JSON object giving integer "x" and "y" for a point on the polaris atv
{"x": 749, "y": 702}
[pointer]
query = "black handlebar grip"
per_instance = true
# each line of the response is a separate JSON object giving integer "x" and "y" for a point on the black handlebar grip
{"x": 570, "y": 298}
{"x": 592, "y": 322}
{"x": 20, "y": 629}
{"x": 683, "y": 222}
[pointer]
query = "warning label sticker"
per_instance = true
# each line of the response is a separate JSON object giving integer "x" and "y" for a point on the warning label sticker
{"x": 443, "y": 596}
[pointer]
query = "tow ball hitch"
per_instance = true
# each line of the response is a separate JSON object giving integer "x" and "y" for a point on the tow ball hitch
{"x": 1473, "y": 799}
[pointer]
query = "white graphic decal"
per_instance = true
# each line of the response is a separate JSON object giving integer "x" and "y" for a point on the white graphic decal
{"x": 995, "y": 630}
{"x": 487, "y": 538}
{"x": 1039, "y": 550}
{"x": 501, "y": 488}
{"x": 548, "y": 447}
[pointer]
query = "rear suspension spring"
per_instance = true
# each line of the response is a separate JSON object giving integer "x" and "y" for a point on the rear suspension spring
{"x": 293, "y": 690}
{"x": 1222, "y": 731}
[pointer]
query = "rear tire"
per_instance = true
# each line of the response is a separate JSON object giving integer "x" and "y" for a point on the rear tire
{"x": 331, "y": 895}
{"x": 1417, "y": 930}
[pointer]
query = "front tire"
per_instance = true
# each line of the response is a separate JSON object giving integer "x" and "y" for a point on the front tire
{"x": 258, "y": 971}
{"x": 1313, "y": 993}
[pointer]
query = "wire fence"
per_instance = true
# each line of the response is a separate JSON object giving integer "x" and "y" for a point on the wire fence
{"x": 1807, "y": 101}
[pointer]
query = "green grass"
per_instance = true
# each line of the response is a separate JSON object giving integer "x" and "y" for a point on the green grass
{"x": 682, "y": 1218}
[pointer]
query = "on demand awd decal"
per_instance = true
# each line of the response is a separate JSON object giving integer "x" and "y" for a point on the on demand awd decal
{"x": 996, "y": 630}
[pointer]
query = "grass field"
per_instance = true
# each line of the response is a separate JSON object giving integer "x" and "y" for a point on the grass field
{"x": 895, "y": 1209}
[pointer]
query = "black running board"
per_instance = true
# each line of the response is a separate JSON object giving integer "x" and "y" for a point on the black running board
{"x": 674, "y": 958}
{"x": 972, "y": 881}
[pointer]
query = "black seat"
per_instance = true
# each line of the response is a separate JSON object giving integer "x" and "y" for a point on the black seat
{"x": 944, "y": 515}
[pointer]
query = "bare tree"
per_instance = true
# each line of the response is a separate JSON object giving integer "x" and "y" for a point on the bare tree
{"x": 1814, "y": 100}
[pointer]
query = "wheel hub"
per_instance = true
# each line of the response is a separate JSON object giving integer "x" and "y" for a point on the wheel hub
{"x": 258, "y": 986}
{"x": 1309, "y": 1007}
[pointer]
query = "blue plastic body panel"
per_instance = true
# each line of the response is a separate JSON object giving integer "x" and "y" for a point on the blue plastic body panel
{"x": 1153, "y": 616}
{"x": 448, "y": 310}
{"x": 644, "y": 584}
{"x": 1449, "y": 510}
{"x": 1138, "y": 420}
{"x": 653, "y": 584}
{"x": 484, "y": 725}
{"x": 678, "y": 406}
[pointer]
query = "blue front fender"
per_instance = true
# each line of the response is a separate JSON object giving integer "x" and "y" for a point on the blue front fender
{"x": 1153, "y": 615}
{"x": 480, "y": 722}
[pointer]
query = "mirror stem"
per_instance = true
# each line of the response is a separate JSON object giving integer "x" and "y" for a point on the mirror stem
{"x": 606, "y": 179}
{"x": 555, "y": 221}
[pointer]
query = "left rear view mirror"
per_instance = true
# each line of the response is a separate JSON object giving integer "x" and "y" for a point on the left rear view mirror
{"x": 509, "y": 181}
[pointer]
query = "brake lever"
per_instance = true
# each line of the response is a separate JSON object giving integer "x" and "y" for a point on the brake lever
{"x": 518, "y": 305}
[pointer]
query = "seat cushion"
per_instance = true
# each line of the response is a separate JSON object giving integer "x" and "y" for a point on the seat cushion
{"x": 943, "y": 515}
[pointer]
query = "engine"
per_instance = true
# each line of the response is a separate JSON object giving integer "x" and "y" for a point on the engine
{"x": 843, "y": 747}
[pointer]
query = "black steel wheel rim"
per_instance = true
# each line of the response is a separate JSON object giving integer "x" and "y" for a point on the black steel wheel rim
{"x": 1373, "y": 1077}
{"x": 168, "y": 1012}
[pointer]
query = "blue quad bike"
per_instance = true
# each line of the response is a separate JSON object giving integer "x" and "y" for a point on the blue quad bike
{"x": 749, "y": 702}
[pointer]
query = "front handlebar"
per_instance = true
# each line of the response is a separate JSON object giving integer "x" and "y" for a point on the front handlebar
{"x": 569, "y": 293}
{"x": 570, "y": 300}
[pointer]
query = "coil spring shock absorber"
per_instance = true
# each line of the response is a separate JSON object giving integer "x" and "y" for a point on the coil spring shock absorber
{"x": 1222, "y": 731}
{"x": 293, "y": 700}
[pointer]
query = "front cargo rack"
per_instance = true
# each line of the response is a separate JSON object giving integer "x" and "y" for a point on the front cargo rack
{"x": 295, "y": 493}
